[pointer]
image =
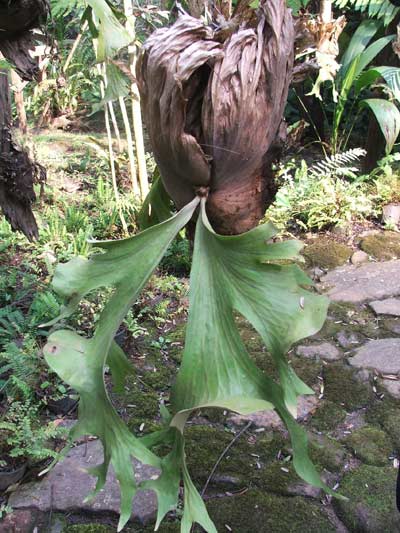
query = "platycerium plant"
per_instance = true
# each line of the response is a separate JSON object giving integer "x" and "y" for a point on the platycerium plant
{"x": 214, "y": 100}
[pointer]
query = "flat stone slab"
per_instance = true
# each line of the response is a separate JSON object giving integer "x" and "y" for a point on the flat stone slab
{"x": 382, "y": 355}
{"x": 66, "y": 486}
{"x": 325, "y": 350}
{"x": 390, "y": 306}
{"x": 392, "y": 386}
{"x": 270, "y": 418}
{"x": 370, "y": 281}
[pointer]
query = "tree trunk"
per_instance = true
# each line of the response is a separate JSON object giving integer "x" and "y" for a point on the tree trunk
{"x": 17, "y": 172}
{"x": 16, "y": 19}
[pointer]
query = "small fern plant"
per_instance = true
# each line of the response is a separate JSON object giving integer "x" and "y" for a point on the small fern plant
{"x": 24, "y": 437}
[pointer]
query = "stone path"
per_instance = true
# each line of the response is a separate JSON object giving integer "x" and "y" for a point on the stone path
{"x": 66, "y": 486}
{"x": 353, "y": 422}
{"x": 370, "y": 281}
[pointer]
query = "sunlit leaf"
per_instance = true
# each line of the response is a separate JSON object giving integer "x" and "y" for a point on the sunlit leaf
{"x": 111, "y": 34}
{"x": 388, "y": 117}
{"x": 391, "y": 75}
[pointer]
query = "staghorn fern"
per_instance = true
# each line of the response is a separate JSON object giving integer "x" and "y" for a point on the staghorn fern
{"x": 338, "y": 164}
{"x": 381, "y": 9}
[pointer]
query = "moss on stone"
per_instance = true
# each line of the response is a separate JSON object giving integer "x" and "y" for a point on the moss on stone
{"x": 277, "y": 477}
{"x": 371, "y": 504}
{"x": 326, "y": 453}
{"x": 244, "y": 463}
{"x": 383, "y": 246}
{"x": 371, "y": 445}
{"x": 341, "y": 387}
{"x": 327, "y": 416}
{"x": 257, "y": 511}
{"x": 385, "y": 414}
{"x": 326, "y": 253}
{"x": 329, "y": 329}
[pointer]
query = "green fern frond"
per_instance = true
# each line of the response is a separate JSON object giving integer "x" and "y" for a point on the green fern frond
{"x": 339, "y": 164}
{"x": 44, "y": 307}
{"x": 18, "y": 370}
{"x": 11, "y": 324}
{"x": 380, "y": 9}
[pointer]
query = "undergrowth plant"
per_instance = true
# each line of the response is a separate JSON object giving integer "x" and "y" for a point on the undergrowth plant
{"x": 332, "y": 192}
{"x": 353, "y": 78}
{"x": 24, "y": 436}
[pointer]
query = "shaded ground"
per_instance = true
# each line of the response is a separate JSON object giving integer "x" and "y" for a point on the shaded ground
{"x": 353, "y": 420}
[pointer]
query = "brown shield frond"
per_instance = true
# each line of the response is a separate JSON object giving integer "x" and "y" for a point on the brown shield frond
{"x": 214, "y": 110}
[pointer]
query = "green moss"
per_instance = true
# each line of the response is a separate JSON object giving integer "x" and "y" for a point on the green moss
{"x": 386, "y": 415}
{"x": 326, "y": 253}
{"x": 137, "y": 405}
{"x": 342, "y": 311}
{"x": 349, "y": 319}
{"x": 159, "y": 378}
{"x": 329, "y": 329}
{"x": 277, "y": 477}
{"x": 260, "y": 512}
{"x": 249, "y": 335}
{"x": 326, "y": 453}
{"x": 371, "y": 504}
{"x": 177, "y": 338}
{"x": 307, "y": 369}
{"x": 88, "y": 528}
{"x": 244, "y": 463}
{"x": 371, "y": 445}
{"x": 342, "y": 388}
{"x": 383, "y": 246}
{"x": 327, "y": 416}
